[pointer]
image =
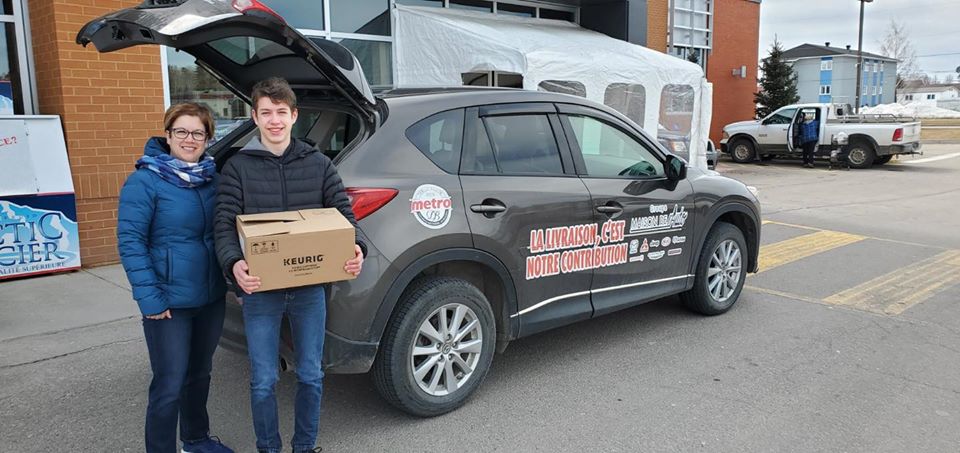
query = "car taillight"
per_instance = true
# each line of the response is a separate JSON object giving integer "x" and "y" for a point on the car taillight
{"x": 898, "y": 134}
{"x": 367, "y": 201}
{"x": 245, "y": 6}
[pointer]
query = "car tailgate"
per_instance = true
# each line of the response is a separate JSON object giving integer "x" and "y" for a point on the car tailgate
{"x": 911, "y": 132}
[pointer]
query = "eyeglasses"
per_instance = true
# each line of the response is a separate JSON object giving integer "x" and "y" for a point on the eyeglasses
{"x": 181, "y": 134}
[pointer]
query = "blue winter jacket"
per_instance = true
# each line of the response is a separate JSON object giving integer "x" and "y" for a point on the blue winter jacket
{"x": 165, "y": 236}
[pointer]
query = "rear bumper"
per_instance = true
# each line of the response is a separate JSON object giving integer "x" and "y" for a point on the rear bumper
{"x": 906, "y": 148}
{"x": 340, "y": 355}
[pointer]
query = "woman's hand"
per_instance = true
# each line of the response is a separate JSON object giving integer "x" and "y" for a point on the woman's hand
{"x": 165, "y": 315}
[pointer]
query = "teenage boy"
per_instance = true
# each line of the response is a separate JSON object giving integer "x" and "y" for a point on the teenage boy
{"x": 272, "y": 173}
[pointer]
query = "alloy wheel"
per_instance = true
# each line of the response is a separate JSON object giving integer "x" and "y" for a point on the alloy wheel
{"x": 446, "y": 349}
{"x": 723, "y": 273}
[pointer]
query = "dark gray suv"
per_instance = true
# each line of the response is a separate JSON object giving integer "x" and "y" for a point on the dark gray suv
{"x": 489, "y": 214}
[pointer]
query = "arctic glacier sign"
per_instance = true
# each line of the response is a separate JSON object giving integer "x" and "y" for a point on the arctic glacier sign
{"x": 36, "y": 239}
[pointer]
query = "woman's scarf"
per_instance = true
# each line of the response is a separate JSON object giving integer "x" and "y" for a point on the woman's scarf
{"x": 178, "y": 172}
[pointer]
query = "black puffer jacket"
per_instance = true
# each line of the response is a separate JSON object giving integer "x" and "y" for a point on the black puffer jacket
{"x": 256, "y": 180}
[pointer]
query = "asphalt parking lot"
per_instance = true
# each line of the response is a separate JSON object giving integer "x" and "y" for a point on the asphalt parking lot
{"x": 847, "y": 340}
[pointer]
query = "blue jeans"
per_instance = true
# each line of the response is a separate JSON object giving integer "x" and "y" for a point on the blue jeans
{"x": 181, "y": 357}
{"x": 306, "y": 310}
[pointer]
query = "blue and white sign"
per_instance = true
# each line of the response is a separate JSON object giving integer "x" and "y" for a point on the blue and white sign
{"x": 34, "y": 241}
{"x": 38, "y": 213}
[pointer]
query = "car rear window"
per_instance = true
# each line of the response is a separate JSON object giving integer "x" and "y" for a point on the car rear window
{"x": 440, "y": 138}
{"x": 244, "y": 50}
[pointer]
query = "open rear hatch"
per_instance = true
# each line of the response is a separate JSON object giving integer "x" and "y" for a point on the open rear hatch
{"x": 240, "y": 42}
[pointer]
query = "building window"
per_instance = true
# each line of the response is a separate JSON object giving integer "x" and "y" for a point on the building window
{"x": 475, "y": 5}
{"x": 874, "y": 91}
{"x": 931, "y": 97}
{"x": 436, "y": 3}
{"x": 299, "y": 14}
{"x": 16, "y": 90}
{"x": 826, "y": 65}
{"x": 492, "y": 79}
{"x": 370, "y": 17}
{"x": 554, "y": 14}
{"x": 516, "y": 10}
{"x": 824, "y": 89}
{"x": 881, "y": 66}
{"x": 876, "y": 66}
{"x": 908, "y": 97}
{"x": 191, "y": 83}
{"x": 691, "y": 25}
{"x": 865, "y": 88}
{"x": 880, "y": 90}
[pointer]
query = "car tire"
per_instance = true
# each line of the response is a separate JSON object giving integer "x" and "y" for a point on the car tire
{"x": 880, "y": 160}
{"x": 742, "y": 151}
{"x": 403, "y": 373}
{"x": 719, "y": 274}
{"x": 861, "y": 154}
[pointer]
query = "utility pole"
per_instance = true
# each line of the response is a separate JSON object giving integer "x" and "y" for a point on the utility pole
{"x": 860, "y": 56}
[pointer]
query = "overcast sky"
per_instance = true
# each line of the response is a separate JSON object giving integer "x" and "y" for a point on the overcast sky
{"x": 934, "y": 27}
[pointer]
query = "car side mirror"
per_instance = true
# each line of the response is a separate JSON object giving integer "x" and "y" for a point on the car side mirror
{"x": 676, "y": 168}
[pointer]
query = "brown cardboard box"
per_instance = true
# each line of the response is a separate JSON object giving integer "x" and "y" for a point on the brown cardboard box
{"x": 296, "y": 248}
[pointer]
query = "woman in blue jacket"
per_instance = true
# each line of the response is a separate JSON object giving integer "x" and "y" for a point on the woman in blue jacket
{"x": 165, "y": 236}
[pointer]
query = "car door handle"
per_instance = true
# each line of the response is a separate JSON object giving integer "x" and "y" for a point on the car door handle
{"x": 487, "y": 208}
{"x": 609, "y": 209}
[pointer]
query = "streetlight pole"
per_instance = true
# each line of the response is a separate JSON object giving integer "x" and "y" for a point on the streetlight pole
{"x": 860, "y": 56}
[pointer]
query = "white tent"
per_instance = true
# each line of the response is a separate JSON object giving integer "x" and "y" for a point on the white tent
{"x": 663, "y": 94}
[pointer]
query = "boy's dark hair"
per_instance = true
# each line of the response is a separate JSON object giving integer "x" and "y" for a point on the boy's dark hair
{"x": 275, "y": 88}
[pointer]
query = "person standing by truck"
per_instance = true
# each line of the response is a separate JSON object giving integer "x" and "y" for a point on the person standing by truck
{"x": 809, "y": 136}
{"x": 275, "y": 172}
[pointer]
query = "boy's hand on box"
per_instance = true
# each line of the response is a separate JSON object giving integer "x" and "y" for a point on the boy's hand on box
{"x": 247, "y": 282}
{"x": 354, "y": 265}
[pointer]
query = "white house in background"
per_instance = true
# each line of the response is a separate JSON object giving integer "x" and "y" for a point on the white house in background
{"x": 930, "y": 94}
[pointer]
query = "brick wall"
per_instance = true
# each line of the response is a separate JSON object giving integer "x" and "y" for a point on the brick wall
{"x": 109, "y": 104}
{"x": 657, "y": 20}
{"x": 736, "y": 36}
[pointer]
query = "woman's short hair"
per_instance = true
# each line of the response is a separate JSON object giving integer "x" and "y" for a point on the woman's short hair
{"x": 189, "y": 109}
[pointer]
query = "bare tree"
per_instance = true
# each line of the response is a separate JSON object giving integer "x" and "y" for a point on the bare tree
{"x": 896, "y": 44}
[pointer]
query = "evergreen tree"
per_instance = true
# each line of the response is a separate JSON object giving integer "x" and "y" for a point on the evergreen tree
{"x": 778, "y": 84}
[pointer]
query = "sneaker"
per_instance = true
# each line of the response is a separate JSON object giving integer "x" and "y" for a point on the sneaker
{"x": 314, "y": 450}
{"x": 209, "y": 445}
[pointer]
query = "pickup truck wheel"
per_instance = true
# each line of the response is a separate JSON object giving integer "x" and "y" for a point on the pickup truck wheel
{"x": 861, "y": 154}
{"x": 437, "y": 348}
{"x": 882, "y": 160}
{"x": 720, "y": 272}
{"x": 742, "y": 151}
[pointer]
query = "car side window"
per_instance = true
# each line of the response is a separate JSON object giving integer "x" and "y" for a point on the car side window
{"x": 609, "y": 152}
{"x": 521, "y": 144}
{"x": 439, "y": 137}
{"x": 784, "y": 116}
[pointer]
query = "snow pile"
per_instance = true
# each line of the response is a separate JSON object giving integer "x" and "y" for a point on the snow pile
{"x": 911, "y": 110}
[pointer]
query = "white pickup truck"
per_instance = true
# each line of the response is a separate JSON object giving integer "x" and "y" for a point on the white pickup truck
{"x": 872, "y": 139}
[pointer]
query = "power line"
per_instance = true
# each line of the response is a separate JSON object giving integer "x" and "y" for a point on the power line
{"x": 938, "y": 54}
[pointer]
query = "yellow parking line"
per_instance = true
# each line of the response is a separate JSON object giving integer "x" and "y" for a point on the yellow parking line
{"x": 800, "y": 247}
{"x": 895, "y": 292}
